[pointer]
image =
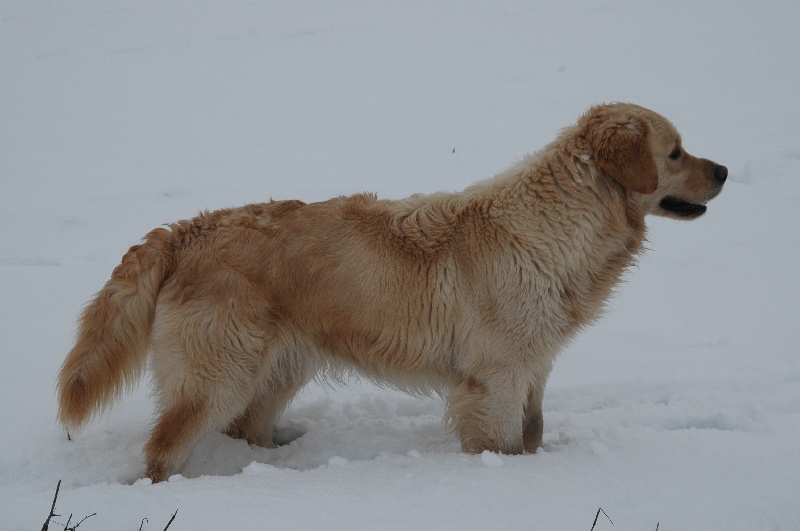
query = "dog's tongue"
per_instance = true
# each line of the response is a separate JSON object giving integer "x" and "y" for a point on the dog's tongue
{"x": 682, "y": 208}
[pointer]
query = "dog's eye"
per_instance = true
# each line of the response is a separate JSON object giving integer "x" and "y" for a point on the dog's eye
{"x": 676, "y": 153}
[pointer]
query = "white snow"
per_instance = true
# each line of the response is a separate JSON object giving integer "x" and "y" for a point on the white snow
{"x": 680, "y": 408}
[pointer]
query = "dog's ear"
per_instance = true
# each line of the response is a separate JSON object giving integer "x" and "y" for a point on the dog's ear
{"x": 620, "y": 147}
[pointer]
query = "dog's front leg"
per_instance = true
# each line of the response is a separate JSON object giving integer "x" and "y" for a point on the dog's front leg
{"x": 533, "y": 426}
{"x": 486, "y": 414}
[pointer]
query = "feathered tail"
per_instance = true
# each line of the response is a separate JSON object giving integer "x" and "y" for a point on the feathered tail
{"x": 110, "y": 353}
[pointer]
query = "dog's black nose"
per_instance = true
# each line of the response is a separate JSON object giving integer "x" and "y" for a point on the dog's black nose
{"x": 720, "y": 173}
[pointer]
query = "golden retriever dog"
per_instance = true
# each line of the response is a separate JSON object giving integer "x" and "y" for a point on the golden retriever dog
{"x": 468, "y": 294}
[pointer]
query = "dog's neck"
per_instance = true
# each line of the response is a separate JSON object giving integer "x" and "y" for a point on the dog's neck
{"x": 554, "y": 190}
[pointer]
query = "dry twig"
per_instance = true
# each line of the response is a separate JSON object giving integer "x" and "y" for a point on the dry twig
{"x": 73, "y": 528}
{"x": 52, "y": 509}
{"x": 596, "y": 516}
{"x": 67, "y": 527}
{"x": 171, "y": 519}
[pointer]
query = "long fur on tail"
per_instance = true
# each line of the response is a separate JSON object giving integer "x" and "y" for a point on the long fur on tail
{"x": 110, "y": 352}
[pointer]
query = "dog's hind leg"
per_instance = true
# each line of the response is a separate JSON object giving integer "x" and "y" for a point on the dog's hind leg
{"x": 185, "y": 419}
{"x": 174, "y": 436}
{"x": 256, "y": 423}
{"x": 190, "y": 413}
{"x": 205, "y": 373}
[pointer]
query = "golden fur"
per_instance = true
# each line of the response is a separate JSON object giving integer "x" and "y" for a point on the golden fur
{"x": 471, "y": 294}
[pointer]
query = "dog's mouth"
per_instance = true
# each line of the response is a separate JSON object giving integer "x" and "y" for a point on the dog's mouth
{"x": 682, "y": 208}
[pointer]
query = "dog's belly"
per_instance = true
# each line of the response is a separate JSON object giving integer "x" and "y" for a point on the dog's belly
{"x": 390, "y": 353}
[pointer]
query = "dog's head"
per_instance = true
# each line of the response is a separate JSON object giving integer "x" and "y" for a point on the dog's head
{"x": 642, "y": 151}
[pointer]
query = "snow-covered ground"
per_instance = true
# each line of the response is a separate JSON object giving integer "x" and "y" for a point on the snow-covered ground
{"x": 680, "y": 408}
